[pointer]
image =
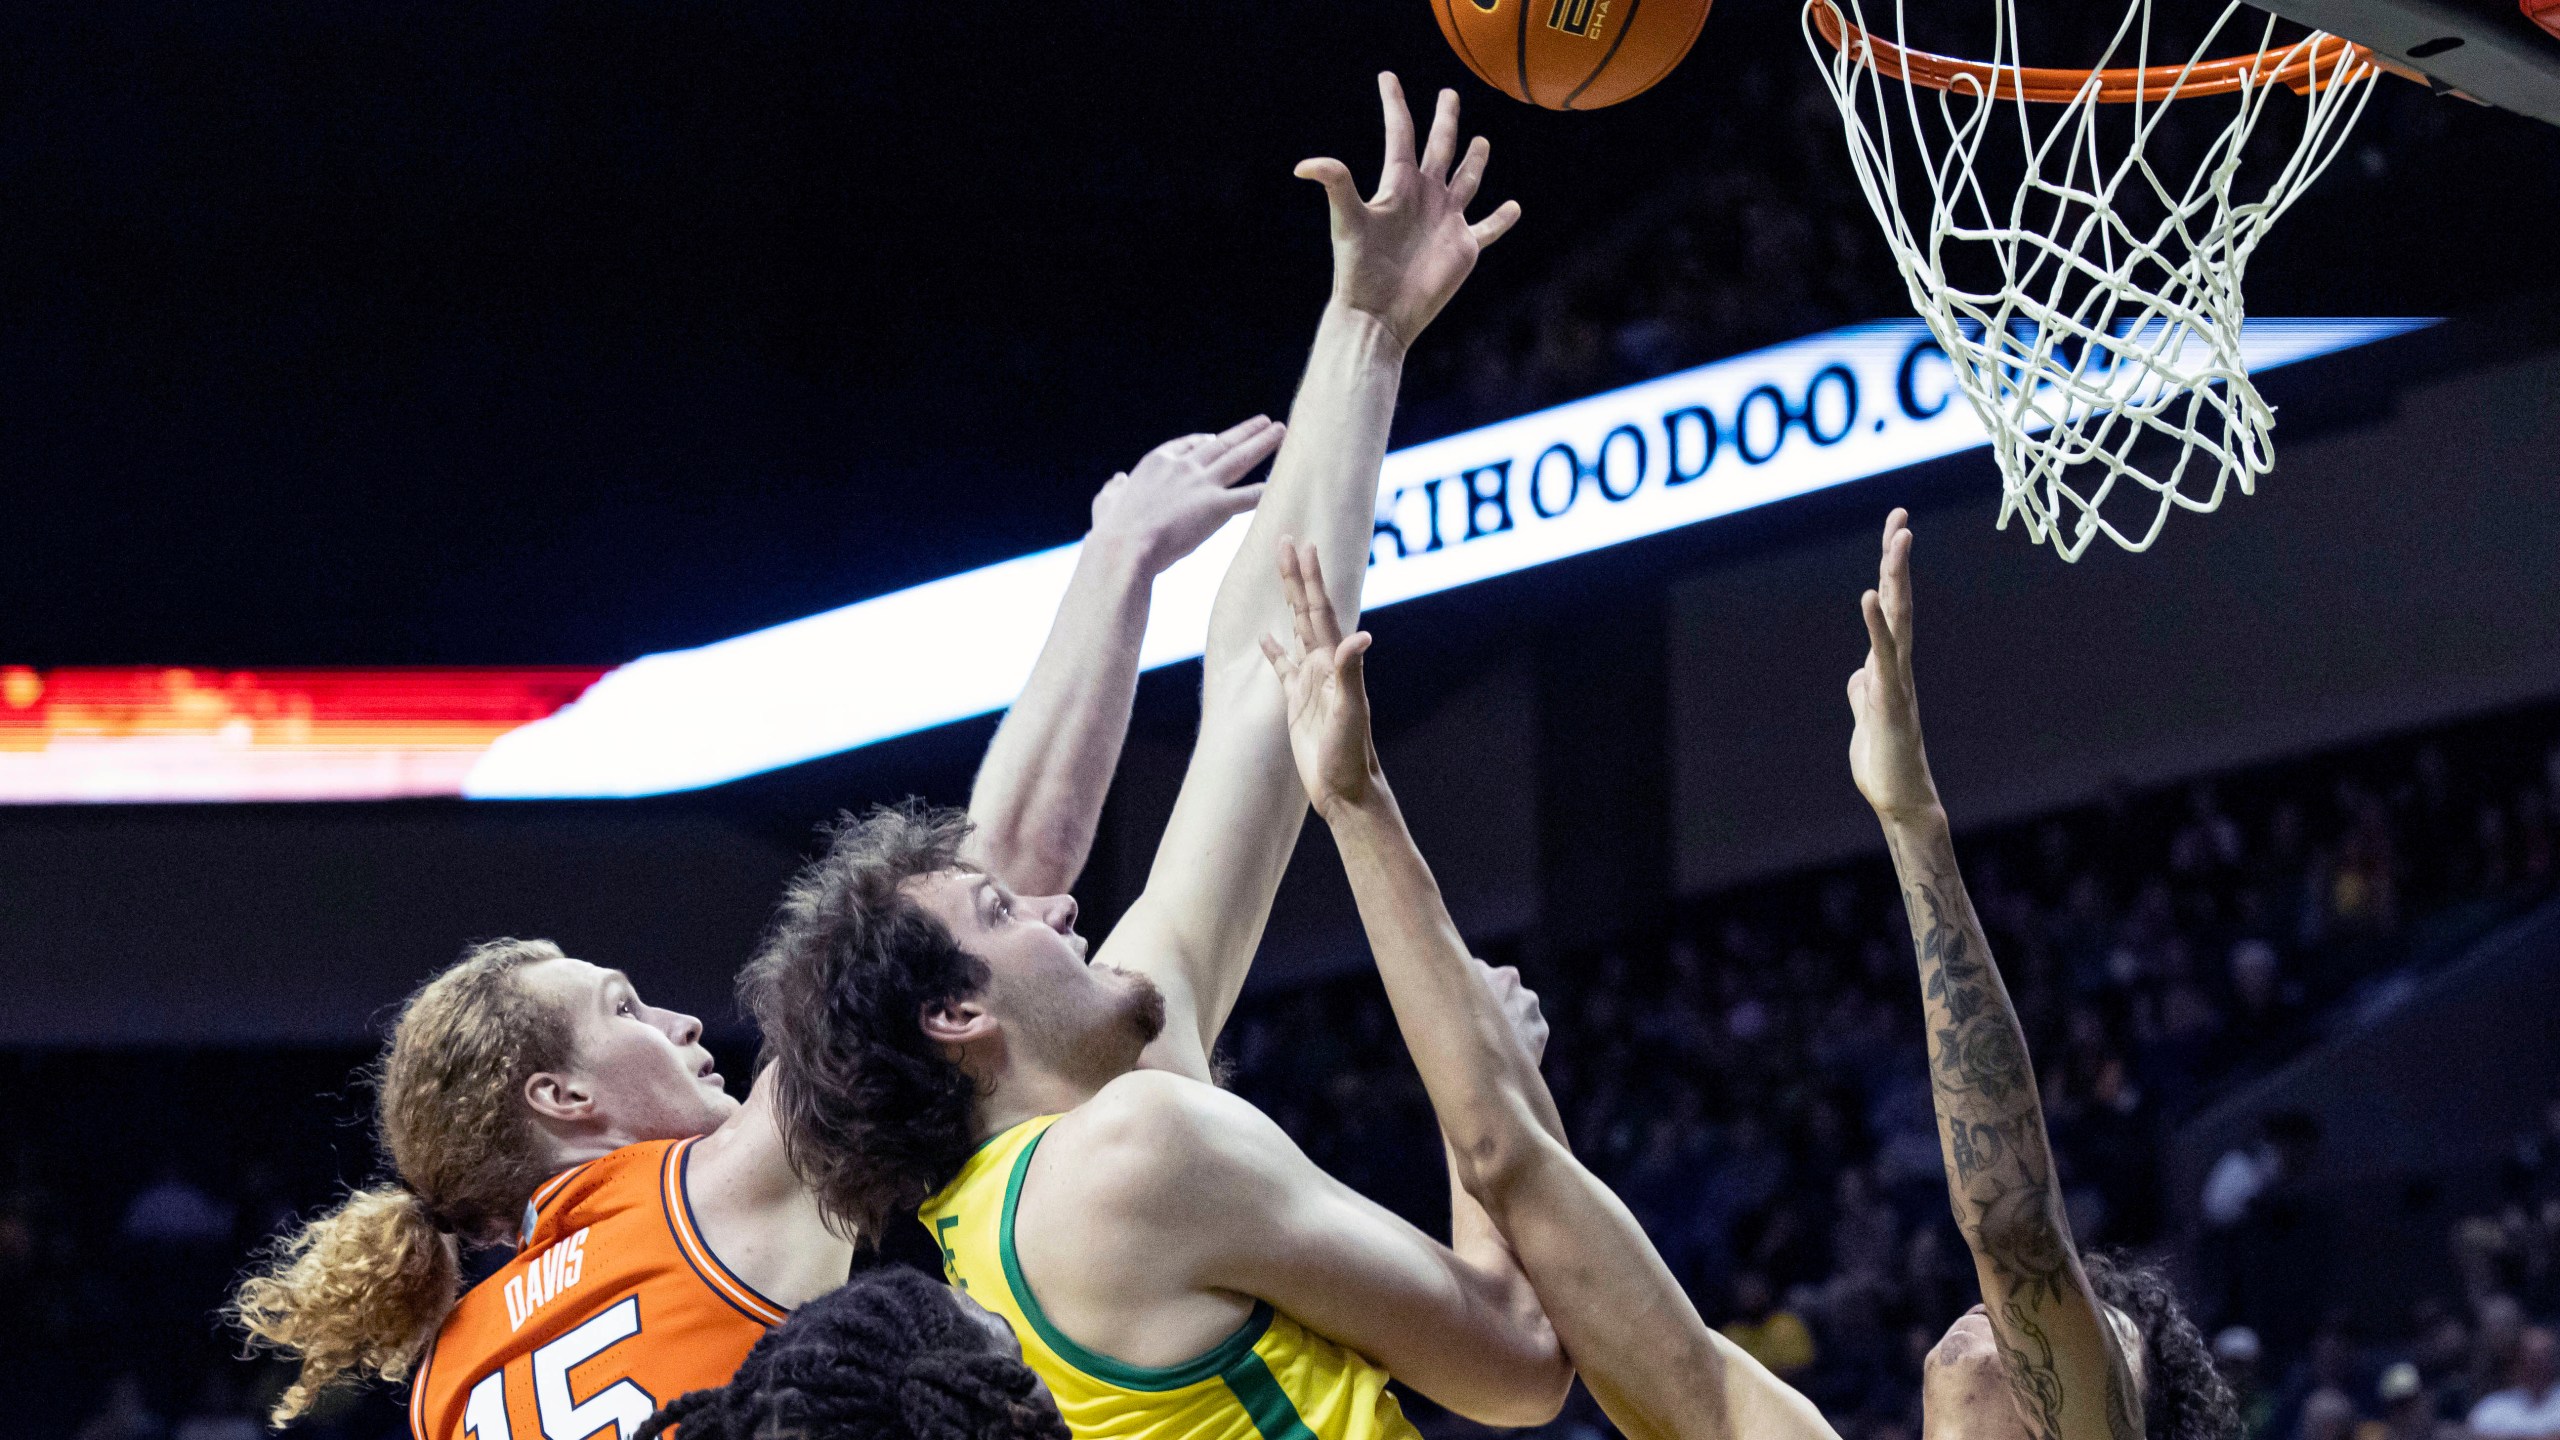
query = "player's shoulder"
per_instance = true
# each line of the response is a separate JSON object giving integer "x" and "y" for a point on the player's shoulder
{"x": 1146, "y": 1176}
{"x": 622, "y": 1191}
{"x": 633, "y": 1174}
{"x": 605, "y": 1222}
{"x": 1153, "y": 1132}
{"x": 1158, "y": 1109}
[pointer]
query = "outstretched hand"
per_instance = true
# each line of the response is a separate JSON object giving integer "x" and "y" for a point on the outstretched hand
{"x": 1320, "y": 674}
{"x": 1886, "y": 756}
{"x": 1401, "y": 254}
{"x": 1183, "y": 490}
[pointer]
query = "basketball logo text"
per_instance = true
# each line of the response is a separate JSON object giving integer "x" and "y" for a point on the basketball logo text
{"x": 1579, "y": 17}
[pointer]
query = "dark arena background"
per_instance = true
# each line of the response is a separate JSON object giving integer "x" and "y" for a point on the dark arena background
{"x": 556, "y": 335}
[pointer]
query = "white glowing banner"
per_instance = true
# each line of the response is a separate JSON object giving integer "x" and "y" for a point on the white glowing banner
{"x": 1738, "y": 433}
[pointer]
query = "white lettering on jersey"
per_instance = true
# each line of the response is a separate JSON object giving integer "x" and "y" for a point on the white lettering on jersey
{"x": 544, "y": 1277}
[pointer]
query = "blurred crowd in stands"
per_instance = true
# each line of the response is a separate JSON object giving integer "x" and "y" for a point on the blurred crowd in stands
{"x": 1752, "y": 1081}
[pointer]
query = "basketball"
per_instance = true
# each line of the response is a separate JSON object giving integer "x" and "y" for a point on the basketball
{"x": 1571, "y": 54}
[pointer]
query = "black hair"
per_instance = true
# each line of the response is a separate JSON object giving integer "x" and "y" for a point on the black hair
{"x": 2184, "y": 1396}
{"x": 874, "y": 1117}
{"x": 889, "y": 1356}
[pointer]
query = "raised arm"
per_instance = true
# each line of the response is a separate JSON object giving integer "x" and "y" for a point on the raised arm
{"x": 1038, "y": 795}
{"x": 1039, "y": 791}
{"x": 1398, "y": 257}
{"x": 1649, "y": 1359}
{"x": 2065, "y": 1361}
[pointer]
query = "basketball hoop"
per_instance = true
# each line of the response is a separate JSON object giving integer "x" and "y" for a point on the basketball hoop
{"x": 2089, "y": 330}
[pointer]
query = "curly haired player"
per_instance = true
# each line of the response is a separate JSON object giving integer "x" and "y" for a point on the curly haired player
{"x": 1172, "y": 1264}
{"x": 2080, "y": 1350}
{"x": 535, "y": 1100}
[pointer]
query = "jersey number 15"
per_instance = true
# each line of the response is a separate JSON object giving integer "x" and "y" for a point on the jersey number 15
{"x": 622, "y": 1405}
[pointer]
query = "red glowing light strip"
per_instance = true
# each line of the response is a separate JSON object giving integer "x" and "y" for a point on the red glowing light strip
{"x": 150, "y": 733}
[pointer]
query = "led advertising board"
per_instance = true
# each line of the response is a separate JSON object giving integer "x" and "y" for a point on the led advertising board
{"x": 1826, "y": 410}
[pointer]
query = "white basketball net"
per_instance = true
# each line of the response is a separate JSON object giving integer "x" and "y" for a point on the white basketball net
{"x": 2103, "y": 332}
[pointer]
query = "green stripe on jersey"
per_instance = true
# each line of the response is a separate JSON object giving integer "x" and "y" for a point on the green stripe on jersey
{"x": 1259, "y": 1392}
{"x": 1205, "y": 1366}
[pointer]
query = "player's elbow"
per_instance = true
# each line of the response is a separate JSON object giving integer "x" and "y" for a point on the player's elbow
{"x": 2027, "y": 1237}
{"x": 1542, "y": 1392}
{"x": 1529, "y": 1387}
{"x": 1518, "y": 1373}
{"x": 1502, "y": 1156}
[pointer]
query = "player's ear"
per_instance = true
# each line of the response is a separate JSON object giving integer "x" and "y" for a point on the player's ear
{"x": 558, "y": 1097}
{"x": 956, "y": 1022}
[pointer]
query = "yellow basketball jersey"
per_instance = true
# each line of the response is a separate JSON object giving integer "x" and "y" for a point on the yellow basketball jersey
{"x": 1273, "y": 1379}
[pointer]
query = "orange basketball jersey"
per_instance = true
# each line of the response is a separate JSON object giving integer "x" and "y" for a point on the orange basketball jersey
{"x": 611, "y": 1307}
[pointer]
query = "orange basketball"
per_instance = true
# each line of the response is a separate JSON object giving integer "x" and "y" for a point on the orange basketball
{"x": 1571, "y": 54}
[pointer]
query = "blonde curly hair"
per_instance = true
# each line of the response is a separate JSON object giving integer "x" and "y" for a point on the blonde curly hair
{"x": 363, "y": 1289}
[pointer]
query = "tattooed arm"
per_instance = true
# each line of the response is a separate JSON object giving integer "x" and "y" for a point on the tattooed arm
{"x": 2065, "y": 1357}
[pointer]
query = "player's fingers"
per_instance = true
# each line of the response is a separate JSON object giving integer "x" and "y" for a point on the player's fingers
{"x": 1252, "y": 450}
{"x": 1469, "y": 174}
{"x": 1897, "y": 593}
{"x": 1879, "y": 634}
{"x": 1213, "y": 449}
{"x": 1347, "y": 659}
{"x": 1335, "y": 177}
{"x": 1319, "y": 599}
{"x": 1293, "y": 585}
{"x": 1350, "y": 678}
{"x": 1237, "y": 499}
{"x": 1496, "y": 225}
{"x": 1441, "y": 146}
{"x": 1278, "y": 657}
{"x": 1242, "y": 430}
{"x": 1399, "y": 125}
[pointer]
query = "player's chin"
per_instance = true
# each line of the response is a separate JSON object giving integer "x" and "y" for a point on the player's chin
{"x": 715, "y": 1095}
{"x": 1146, "y": 1008}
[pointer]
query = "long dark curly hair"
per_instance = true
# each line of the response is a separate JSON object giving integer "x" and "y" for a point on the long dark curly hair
{"x": 874, "y": 1118}
{"x": 889, "y": 1356}
{"x": 2183, "y": 1395}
